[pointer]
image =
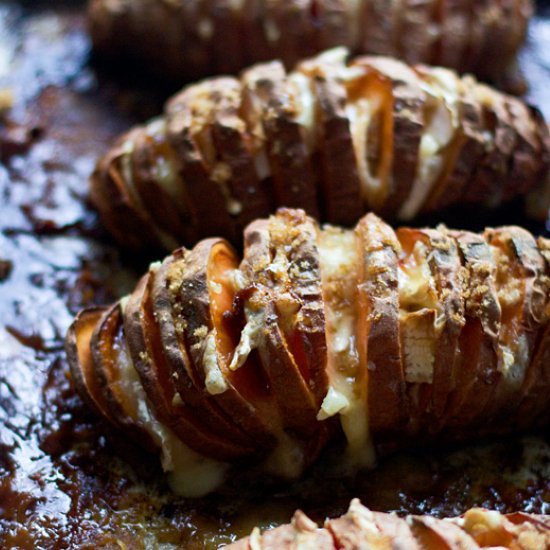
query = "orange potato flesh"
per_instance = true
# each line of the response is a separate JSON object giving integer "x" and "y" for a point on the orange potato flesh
{"x": 378, "y": 325}
{"x": 249, "y": 378}
{"x": 184, "y": 421}
{"x": 426, "y": 537}
{"x": 105, "y": 352}
{"x": 81, "y": 361}
{"x": 182, "y": 373}
{"x": 420, "y": 368}
{"x": 149, "y": 360}
{"x": 379, "y": 138}
{"x": 256, "y": 414}
{"x": 510, "y": 282}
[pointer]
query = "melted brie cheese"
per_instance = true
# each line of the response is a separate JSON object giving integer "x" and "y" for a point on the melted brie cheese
{"x": 359, "y": 114}
{"x": 346, "y": 395}
{"x": 441, "y": 89}
{"x": 214, "y": 382}
{"x": 251, "y": 336}
{"x": 189, "y": 473}
{"x": 419, "y": 315}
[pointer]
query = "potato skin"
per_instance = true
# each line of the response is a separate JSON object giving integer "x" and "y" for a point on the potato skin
{"x": 336, "y": 137}
{"x": 450, "y": 333}
{"x": 185, "y": 40}
{"x": 362, "y": 528}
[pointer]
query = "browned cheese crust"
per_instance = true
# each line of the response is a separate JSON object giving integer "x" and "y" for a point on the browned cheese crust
{"x": 362, "y": 528}
{"x": 386, "y": 337}
{"x": 184, "y": 40}
{"x": 335, "y": 137}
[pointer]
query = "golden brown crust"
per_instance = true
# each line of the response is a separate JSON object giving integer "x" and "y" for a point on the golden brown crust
{"x": 292, "y": 171}
{"x": 378, "y": 323}
{"x": 477, "y": 371}
{"x": 419, "y": 334}
{"x": 333, "y": 137}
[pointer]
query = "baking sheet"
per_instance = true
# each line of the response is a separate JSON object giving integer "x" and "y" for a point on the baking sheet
{"x": 66, "y": 480}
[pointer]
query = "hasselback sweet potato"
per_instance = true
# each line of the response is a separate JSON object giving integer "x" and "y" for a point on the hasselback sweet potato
{"x": 387, "y": 337}
{"x": 182, "y": 40}
{"x": 362, "y": 528}
{"x": 335, "y": 138}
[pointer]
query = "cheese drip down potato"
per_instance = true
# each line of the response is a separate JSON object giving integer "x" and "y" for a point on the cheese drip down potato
{"x": 183, "y": 40}
{"x": 337, "y": 138}
{"x": 377, "y": 336}
{"x": 362, "y": 528}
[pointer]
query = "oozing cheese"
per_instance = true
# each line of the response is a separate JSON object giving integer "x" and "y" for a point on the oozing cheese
{"x": 346, "y": 395}
{"x": 359, "y": 114}
{"x": 251, "y": 336}
{"x": 189, "y": 474}
{"x": 214, "y": 382}
{"x": 416, "y": 284}
{"x": 441, "y": 125}
{"x": 287, "y": 459}
{"x": 419, "y": 315}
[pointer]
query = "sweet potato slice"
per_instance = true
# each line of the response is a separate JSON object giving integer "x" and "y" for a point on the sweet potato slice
{"x": 338, "y": 23}
{"x": 158, "y": 182}
{"x": 378, "y": 330}
{"x": 77, "y": 344}
{"x": 341, "y": 201}
{"x": 227, "y": 46}
{"x": 465, "y": 150}
{"x": 522, "y": 299}
{"x": 397, "y": 530}
{"x": 283, "y": 103}
{"x": 441, "y": 122}
{"x": 197, "y": 48}
{"x": 110, "y": 194}
{"x": 301, "y": 533}
{"x": 297, "y": 35}
{"x": 419, "y": 31}
{"x": 493, "y": 530}
{"x": 142, "y": 334}
{"x": 106, "y": 346}
{"x": 537, "y": 379}
{"x": 528, "y": 164}
{"x": 488, "y": 181}
{"x": 188, "y": 384}
{"x": 380, "y": 34}
{"x": 453, "y": 21}
{"x": 280, "y": 261}
{"x": 248, "y": 197}
{"x": 436, "y": 254}
{"x": 433, "y": 534}
{"x": 205, "y": 295}
{"x": 477, "y": 373}
{"x": 258, "y": 44}
{"x": 408, "y": 103}
{"x": 357, "y": 529}
{"x": 189, "y": 117}
{"x": 297, "y": 234}
{"x": 369, "y": 110}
